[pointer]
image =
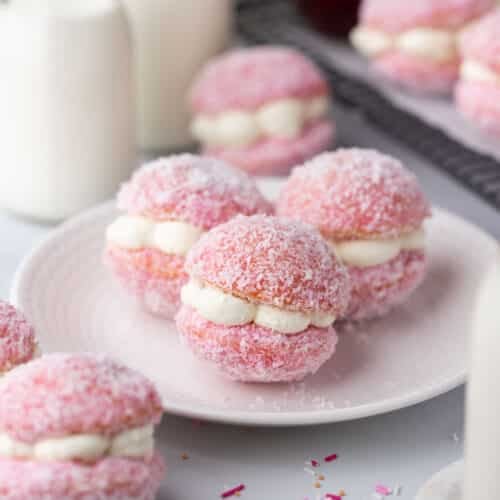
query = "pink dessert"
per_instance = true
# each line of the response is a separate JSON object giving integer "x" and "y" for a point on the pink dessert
{"x": 414, "y": 44}
{"x": 478, "y": 91}
{"x": 370, "y": 210}
{"x": 262, "y": 297}
{"x": 263, "y": 109}
{"x": 17, "y": 338}
{"x": 78, "y": 426}
{"x": 168, "y": 204}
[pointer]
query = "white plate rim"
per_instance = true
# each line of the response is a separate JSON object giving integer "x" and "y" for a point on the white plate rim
{"x": 296, "y": 418}
{"x": 444, "y": 480}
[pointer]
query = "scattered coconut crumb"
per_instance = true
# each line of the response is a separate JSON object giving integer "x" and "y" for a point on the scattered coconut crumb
{"x": 319, "y": 477}
{"x": 309, "y": 471}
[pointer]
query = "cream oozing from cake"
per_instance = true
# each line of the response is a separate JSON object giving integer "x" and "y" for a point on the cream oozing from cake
{"x": 225, "y": 309}
{"x": 170, "y": 237}
{"x": 475, "y": 71}
{"x": 427, "y": 43}
{"x": 133, "y": 443}
{"x": 367, "y": 253}
{"x": 281, "y": 118}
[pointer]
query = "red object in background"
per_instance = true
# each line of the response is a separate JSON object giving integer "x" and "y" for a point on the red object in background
{"x": 332, "y": 17}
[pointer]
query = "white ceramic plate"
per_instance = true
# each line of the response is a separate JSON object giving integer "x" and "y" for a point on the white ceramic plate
{"x": 414, "y": 354}
{"x": 445, "y": 485}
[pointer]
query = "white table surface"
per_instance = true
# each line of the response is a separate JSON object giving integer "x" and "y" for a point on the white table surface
{"x": 403, "y": 448}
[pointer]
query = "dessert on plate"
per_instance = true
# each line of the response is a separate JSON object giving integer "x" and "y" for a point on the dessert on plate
{"x": 168, "y": 204}
{"x": 478, "y": 91}
{"x": 78, "y": 426}
{"x": 17, "y": 338}
{"x": 262, "y": 109}
{"x": 261, "y": 300}
{"x": 415, "y": 44}
{"x": 370, "y": 209}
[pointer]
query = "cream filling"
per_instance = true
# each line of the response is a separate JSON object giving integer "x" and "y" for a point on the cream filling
{"x": 135, "y": 443}
{"x": 426, "y": 43}
{"x": 475, "y": 71}
{"x": 367, "y": 253}
{"x": 282, "y": 118}
{"x": 171, "y": 237}
{"x": 226, "y": 309}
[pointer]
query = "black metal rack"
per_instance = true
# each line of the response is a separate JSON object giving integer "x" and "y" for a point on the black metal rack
{"x": 268, "y": 21}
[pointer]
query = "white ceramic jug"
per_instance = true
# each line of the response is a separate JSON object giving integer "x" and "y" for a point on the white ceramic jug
{"x": 482, "y": 458}
{"x": 67, "y": 117}
{"x": 172, "y": 40}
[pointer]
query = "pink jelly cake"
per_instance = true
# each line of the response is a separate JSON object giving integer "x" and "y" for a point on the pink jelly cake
{"x": 370, "y": 209}
{"x": 414, "y": 44}
{"x": 262, "y": 109}
{"x": 167, "y": 205}
{"x": 78, "y": 426}
{"x": 263, "y": 295}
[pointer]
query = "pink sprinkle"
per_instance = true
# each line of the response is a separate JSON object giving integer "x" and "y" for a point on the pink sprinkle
{"x": 383, "y": 490}
{"x": 230, "y": 493}
{"x": 331, "y": 458}
{"x": 331, "y": 496}
{"x": 314, "y": 463}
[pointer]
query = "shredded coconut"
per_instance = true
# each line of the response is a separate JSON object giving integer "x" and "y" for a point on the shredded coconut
{"x": 355, "y": 194}
{"x": 17, "y": 338}
{"x": 200, "y": 190}
{"x": 273, "y": 261}
{"x": 395, "y": 16}
{"x": 247, "y": 78}
{"x": 61, "y": 394}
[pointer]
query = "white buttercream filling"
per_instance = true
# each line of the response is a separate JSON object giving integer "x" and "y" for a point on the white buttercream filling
{"x": 475, "y": 71}
{"x": 134, "y": 443}
{"x": 427, "y": 43}
{"x": 281, "y": 118}
{"x": 225, "y": 309}
{"x": 171, "y": 237}
{"x": 366, "y": 253}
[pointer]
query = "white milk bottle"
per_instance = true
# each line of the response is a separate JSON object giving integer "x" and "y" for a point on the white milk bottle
{"x": 67, "y": 120}
{"x": 172, "y": 40}
{"x": 482, "y": 460}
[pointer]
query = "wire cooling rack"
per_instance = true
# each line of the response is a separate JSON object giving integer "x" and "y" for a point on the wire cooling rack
{"x": 271, "y": 21}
